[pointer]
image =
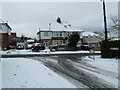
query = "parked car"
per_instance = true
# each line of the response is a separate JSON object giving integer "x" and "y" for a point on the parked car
{"x": 11, "y": 47}
{"x": 37, "y": 47}
{"x": 19, "y": 47}
{"x": 85, "y": 47}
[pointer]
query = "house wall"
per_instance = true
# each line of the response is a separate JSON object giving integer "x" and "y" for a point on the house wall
{"x": 5, "y": 40}
{"x": 13, "y": 39}
{"x": 5, "y": 35}
{"x": 92, "y": 41}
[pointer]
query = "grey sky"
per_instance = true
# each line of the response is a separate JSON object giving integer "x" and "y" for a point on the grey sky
{"x": 26, "y": 17}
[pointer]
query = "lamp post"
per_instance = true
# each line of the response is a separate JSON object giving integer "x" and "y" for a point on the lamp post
{"x": 39, "y": 35}
{"x": 49, "y": 26}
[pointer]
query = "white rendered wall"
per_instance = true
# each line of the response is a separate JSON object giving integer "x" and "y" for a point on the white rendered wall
{"x": 46, "y": 37}
{"x": 92, "y": 39}
{"x": 5, "y": 29}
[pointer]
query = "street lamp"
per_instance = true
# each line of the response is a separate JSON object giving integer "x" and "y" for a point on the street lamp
{"x": 49, "y": 26}
{"x": 39, "y": 35}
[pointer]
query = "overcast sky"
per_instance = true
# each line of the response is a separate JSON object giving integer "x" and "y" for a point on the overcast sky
{"x": 27, "y": 17}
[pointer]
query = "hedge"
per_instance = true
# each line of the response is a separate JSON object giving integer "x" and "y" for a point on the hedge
{"x": 108, "y": 49}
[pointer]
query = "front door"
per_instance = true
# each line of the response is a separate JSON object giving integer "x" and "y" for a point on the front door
{"x": 46, "y": 43}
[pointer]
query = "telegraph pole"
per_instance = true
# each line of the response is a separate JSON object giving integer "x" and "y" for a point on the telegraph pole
{"x": 119, "y": 20}
{"x": 105, "y": 22}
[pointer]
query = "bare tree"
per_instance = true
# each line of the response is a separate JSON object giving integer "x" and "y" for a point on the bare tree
{"x": 116, "y": 26}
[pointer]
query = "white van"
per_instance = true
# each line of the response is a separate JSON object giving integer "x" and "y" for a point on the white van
{"x": 29, "y": 43}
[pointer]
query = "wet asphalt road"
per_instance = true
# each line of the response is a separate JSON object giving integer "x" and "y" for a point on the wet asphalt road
{"x": 73, "y": 66}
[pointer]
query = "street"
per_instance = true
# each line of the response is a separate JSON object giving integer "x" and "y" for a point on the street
{"x": 74, "y": 68}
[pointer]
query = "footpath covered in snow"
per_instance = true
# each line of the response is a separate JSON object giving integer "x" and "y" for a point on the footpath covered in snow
{"x": 27, "y": 73}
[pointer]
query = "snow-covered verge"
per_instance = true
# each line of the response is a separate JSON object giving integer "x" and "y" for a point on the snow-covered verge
{"x": 27, "y": 73}
{"x": 107, "y": 69}
{"x": 105, "y": 63}
{"x": 47, "y": 51}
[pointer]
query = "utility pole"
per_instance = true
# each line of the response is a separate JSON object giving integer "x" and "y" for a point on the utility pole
{"x": 105, "y": 22}
{"x": 119, "y": 20}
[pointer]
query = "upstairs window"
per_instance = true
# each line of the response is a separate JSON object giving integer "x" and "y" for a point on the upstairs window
{"x": 57, "y": 34}
{"x": 45, "y": 33}
{"x": 60, "y": 34}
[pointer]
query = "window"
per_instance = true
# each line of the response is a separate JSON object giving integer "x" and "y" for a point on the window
{"x": 45, "y": 33}
{"x": 61, "y": 42}
{"x": 60, "y": 34}
{"x": 0, "y": 27}
{"x": 68, "y": 34}
{"x": 57, "y": 42}
{"x": 57, "y": 34}
{"x": 1, "y": 39}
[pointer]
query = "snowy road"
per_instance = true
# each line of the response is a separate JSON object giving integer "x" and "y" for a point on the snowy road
{"x": 81, "y": 70}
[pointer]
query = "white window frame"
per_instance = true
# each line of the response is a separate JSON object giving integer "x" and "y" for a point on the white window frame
{"x": 46, "y": 34}
{"x": 57, "y": 42}
{"x": 57, "y": 34}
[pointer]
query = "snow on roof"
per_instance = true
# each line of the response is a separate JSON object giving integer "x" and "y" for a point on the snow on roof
{"x": 113, "y": 39}
{"x": 61, "y": 27}
{"x": 30, "y": 40}
{"x": 89, "y": 33}
{"x": 6, "y": 25}
{"x": 69, "y": 30}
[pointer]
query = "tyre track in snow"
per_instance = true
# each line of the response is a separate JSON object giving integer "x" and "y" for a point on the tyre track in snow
{"x": 81, "y": 63}
{"x": 66, "y": 65}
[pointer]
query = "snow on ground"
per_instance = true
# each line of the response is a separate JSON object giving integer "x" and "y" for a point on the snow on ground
{"x": 109, "y": 67}
{"x": 105, "y": 63}
{"x": 0, "y": 74}
{"x": 47, "y": 51}
{"x": 27, "y": 73}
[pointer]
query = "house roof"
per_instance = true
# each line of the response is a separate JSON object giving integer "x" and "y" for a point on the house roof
{"x": 89, "y": 34}
{"x": 6, "y": 25}
{"x": 60, "y": 27}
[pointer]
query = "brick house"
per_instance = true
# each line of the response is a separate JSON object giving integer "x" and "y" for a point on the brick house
{"x": 55, "y": 37}
{"x": 5, "y": 35}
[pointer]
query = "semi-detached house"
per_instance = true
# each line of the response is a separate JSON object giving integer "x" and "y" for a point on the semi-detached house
{"x": 55, "y": 37}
